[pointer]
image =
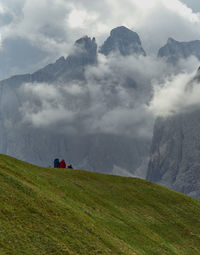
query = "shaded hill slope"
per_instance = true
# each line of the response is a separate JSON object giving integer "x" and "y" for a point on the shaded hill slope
{"x": 60, "y": 211}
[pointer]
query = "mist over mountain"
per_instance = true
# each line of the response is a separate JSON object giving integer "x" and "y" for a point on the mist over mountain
{"x": 86, "y": 108}
{"x": 35, "y": 33}
{"x": 96, "y": 108}
{"x": 84, "y": 53}
{"x": 174, "y": 159}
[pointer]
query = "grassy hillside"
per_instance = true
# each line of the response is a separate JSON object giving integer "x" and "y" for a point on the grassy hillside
{"x": 60, "y": 211}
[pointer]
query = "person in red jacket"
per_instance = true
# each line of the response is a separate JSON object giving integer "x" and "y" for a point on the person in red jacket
{"x": 62, "y": 164}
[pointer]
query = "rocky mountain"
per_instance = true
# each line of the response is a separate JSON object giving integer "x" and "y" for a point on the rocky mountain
{"x": 124, "y": 41}
{"x": 73, "y": 67}
{"x": 111, "y": 153}
{"x": 175, "y": 151}
{"x": 175, "y": 50}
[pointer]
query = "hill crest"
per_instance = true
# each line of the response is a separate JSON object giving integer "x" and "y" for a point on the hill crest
{"x": 61, "y": 211}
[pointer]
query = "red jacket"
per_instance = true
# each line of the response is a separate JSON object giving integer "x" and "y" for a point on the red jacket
{"x": 62, "y": 164}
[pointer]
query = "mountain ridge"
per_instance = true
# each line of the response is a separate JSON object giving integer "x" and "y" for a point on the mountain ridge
{"x": 87, "y": 55}
{"x": 174, "y": 50}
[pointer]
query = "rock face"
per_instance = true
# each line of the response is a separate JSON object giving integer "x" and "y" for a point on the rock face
{"x": 124, "y": 41}
{"x": 174, "y": 50}
{"x": 97, "y": 152}
{"x": 88, "y": 51}
{"x": 175, "y": 154}
{"x": 175, "y": 151}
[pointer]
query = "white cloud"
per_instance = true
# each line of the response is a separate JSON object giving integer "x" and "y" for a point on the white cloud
{"x": 176, "y": 95}
{"x": 115, "y": 97}
{"x": 44, "y": 104}
{"x": 112, "y": 100}
{"x": 81, "y": 19}
{"x": 53, "y": 25}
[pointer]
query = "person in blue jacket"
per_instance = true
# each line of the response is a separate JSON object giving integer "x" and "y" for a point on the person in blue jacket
{"x": 56, "y": 163}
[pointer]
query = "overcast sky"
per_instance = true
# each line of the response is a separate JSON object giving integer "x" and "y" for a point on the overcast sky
{"x": 194, "y": 4}
{"x": 36, "y": 32}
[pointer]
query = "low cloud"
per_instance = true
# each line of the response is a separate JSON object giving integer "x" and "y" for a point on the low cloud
{"x": 121, "y": 95}
{"x": 45, "y": 105}
{"x": 111, "y": 100}
{"x": 178, "y": 94}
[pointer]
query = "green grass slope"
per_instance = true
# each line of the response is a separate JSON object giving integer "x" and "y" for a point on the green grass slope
{"x": 60, "y": 211}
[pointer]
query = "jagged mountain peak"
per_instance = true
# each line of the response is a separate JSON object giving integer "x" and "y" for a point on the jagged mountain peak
{"x": 171, "y": 40}
{"x": 122, "y": 30}
{"x": 124, "y": 41}
{"x": 84, "y": 53}
{"x": 174, "y": 50}
{"x": 60, "y": 60}
{"x": 87, "y": 43}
